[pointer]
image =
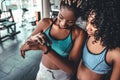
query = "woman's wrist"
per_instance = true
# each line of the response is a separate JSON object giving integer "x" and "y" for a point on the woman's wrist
{"x": 48, "y": 49}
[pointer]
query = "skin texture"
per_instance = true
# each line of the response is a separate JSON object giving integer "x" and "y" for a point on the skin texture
{"x": 60, "y": 29}
{"x": 112, "y": 57}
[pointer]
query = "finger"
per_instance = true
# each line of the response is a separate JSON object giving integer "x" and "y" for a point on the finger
{"x": 41, "y": 39}
{"x": 48, "y": 40}
{"x": 27, "y": 47}
{"x": 23, "y": 54}
{"x": 34, "y": 40}
{"x": 23, "y": 49}
{"x": 30, "y": 42}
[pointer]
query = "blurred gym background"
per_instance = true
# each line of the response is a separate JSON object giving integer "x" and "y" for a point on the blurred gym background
{"x": 18, "y": 18}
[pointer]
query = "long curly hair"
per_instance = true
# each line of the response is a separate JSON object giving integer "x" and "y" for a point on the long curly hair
{"x": 107, "y": 21}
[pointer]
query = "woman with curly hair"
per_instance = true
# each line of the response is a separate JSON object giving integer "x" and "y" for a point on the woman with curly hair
{"x": 61, "y": 42}
{"x": 101, "y": 52}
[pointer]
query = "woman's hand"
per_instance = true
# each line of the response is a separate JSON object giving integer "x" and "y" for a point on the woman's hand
{"x": 24, "y": 48}
{"x": 36, "y": 42}
{"x": 39, "y": 38}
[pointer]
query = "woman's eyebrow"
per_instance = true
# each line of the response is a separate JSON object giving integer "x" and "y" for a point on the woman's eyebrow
{"x": 61, "y": 15}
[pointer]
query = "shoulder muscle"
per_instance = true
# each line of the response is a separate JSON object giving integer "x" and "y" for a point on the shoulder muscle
{"x": 42, "y": 25}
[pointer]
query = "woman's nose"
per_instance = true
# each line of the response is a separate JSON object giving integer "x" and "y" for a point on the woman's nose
{"x": 88, "y": 27}
{"x": 63, "y": 22}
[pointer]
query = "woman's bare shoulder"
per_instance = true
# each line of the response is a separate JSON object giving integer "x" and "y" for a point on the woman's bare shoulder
{"x": 42, "y": 25}
{"x": 79, "y": 31}
{"x": 46, "y": 20}
{"x": 115, "y": 54}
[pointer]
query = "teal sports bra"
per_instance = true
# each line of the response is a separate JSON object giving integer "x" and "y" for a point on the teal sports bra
{"x": 63, "y": 46}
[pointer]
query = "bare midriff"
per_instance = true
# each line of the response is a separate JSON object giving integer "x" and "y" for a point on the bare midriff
{"x": 48, "y": 62}
{"x": 86, "y": 74}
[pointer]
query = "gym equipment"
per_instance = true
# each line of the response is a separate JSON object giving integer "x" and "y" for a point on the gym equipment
{"x": 24, "y": 10}
{"x": 9, "y": 24}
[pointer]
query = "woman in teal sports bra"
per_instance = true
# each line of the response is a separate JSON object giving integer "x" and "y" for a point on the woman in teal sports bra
{"x": 61, "y": 42}
{"x": 101, "y": 52}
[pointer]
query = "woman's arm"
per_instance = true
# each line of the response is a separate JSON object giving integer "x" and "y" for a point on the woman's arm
{"x": 116, "y": 64}
{"x": 26, "y": 47}
{"x": 43, "y": 24}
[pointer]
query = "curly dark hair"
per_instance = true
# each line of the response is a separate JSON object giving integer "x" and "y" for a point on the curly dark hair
{"x": 107, "y": 21}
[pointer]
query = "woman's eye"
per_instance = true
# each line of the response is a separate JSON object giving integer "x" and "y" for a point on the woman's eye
{"x": 71, "y": 22}
{"x": 60, "y": 17}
